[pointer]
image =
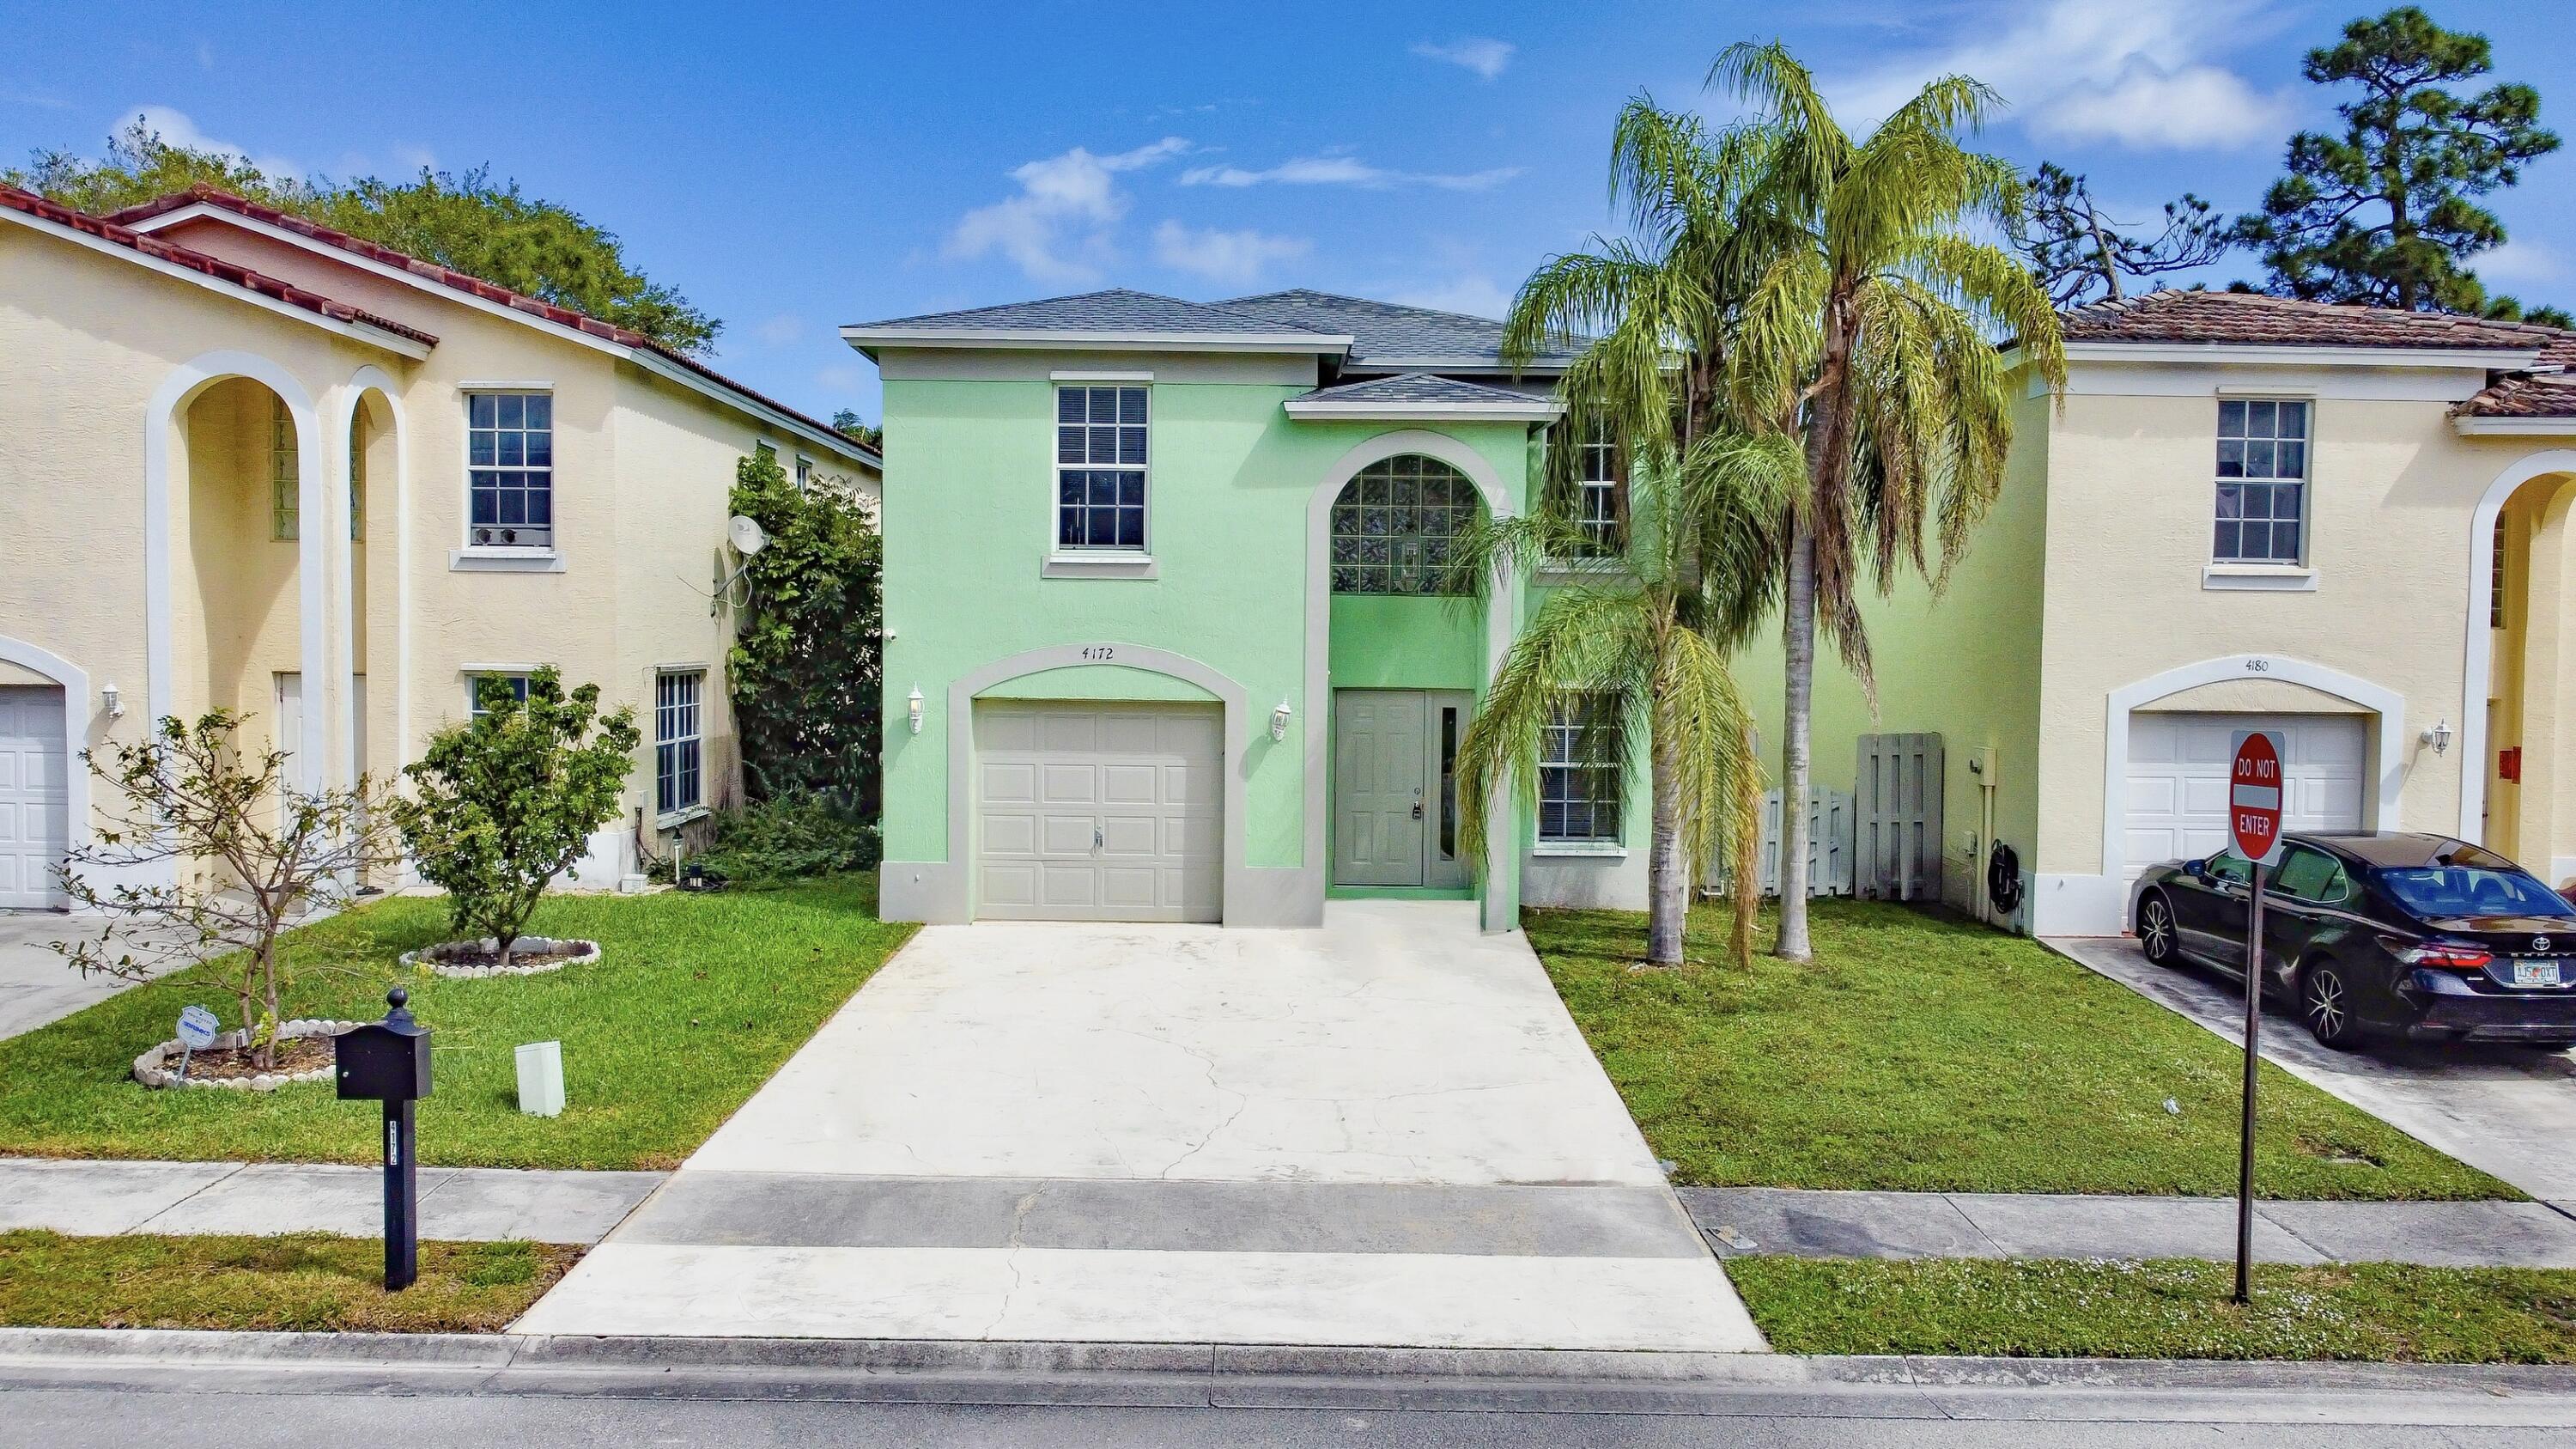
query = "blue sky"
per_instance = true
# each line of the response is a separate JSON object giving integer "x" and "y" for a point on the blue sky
{"x": 791, "y": 168}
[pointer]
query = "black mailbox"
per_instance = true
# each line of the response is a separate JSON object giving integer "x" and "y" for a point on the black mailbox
{"x": 386, "y": 1061}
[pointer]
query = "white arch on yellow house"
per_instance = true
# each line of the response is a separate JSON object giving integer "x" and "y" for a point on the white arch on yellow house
{"x": 1501, "y": 604}
{"x": 397, "y": 499}
{"x": 2539, "y": 679}
{"x": 161, "y": 417}
{"x": 76, "y": 714}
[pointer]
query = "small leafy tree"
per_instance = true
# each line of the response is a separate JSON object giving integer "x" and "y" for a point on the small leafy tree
{"x": 807, "y": 656}
{"x": 250, "y": 854}
{"x": 507, "y": 801}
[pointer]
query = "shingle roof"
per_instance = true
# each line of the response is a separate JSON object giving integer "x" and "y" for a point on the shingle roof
{"x": 196, "y": 261}
{"x": 1388, "y": 332}
{"x": 1114, "y": 310}
{"x": 1416, "y": 387}
{"x": 462, "y": 282}
{"x": 2256, "y": 320}
{"x": 2541, "y": 393}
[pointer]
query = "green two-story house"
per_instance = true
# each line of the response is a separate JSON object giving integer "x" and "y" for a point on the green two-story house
{"x": 1167, "y": 629}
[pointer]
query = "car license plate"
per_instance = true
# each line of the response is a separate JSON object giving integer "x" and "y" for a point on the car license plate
{"x": 2536, "y": 973}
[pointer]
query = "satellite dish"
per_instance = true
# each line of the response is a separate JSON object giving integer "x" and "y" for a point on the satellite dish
{"x": 746, "y": 535}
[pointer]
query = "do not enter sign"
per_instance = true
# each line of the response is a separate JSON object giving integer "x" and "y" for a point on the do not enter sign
{"x": 2254, "y": 796}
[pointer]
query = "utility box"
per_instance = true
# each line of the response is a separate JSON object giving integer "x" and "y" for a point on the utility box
{"x": 541, "y": 1079}
{"x": 383, "y": 1061}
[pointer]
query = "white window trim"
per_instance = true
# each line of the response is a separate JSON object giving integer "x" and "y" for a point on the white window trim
{"x": 492, "y": 558}
{"x": 472, "y": 676}
{"x": 1582, "y": 849}
{"x": 696, "y": 809}
{"x": 2256, "y": 574}
{"x": 2261, "y": 578}
{"x": 1545, "y": 844}
{"x": 1060, "y": 562}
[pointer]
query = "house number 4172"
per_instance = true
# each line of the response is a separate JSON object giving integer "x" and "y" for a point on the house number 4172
{"x": 1099, "y": 651}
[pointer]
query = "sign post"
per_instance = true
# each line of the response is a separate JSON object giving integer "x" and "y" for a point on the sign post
{"x": 2254, "y": 828}
{"x": 197, "y": 1028}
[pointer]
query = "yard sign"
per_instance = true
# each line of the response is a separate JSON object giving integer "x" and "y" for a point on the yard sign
{"x": 2254, "y": 796}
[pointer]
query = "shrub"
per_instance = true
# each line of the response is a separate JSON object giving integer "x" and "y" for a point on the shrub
{"x": 788, "y": 838}
{"x": 806, "y": 662}
{"x": 507, "y": 801}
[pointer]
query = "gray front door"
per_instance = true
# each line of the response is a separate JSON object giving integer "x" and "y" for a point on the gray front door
{"x": 1394, "y": 822}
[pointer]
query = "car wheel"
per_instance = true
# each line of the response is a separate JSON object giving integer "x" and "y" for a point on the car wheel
{"x": 2325, "y": 1004}
{"x": 2156, "y": 930}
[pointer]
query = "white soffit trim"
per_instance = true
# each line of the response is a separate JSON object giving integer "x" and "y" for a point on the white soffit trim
{"x": 867, "y": 339}
{"x": 2476, "y": 427}
{"x": 652, "y": 362}
{"x": 367, "y": 333}
{"x": 1536, "y": 410}
{"x": 2472, "y": 359}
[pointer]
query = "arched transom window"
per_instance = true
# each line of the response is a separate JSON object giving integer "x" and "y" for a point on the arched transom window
{"x": 1395, "y": 525}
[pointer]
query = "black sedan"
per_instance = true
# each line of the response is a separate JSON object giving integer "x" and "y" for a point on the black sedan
{"x": 2393, "y": 933}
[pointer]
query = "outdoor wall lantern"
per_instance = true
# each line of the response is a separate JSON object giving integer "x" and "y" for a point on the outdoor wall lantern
{"x": 2439, "y": 736}
{"x": 912, "y": 708}
{"x": 1279, "y": 721}
{"x": 114, "y": 701}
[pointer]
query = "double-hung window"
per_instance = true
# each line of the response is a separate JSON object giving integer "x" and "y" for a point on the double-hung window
{"x": 510, "y": 460}
{"x": 677, "y": 736}
{"x": 1601, "y": 511}
{"x": 1100, "y": 468}
{"x": 1579, "y": 774}
{"x": 2262, "y": 482}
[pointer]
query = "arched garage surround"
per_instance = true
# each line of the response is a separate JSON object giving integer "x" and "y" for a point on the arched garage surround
{"x": 75, "y": 726}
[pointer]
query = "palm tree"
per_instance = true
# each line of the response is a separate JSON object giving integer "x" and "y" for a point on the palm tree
{"x": 1871, "y": 329}
{"x": 1640, "y": 648}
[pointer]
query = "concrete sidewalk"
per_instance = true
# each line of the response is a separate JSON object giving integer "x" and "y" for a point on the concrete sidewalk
{"x": 1743, "y": 1220}
{"x": 470, "y": 1204}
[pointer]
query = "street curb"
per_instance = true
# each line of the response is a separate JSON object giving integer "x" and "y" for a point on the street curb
{"x": 1173, "y": 1374}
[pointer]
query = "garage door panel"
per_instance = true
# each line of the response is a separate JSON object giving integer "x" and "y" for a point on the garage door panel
{"x": 34, "y": 793}
{"x": 2177, "y": 780}
{"x": 1014, "y": 784}
{"x": 1127, "y": 825}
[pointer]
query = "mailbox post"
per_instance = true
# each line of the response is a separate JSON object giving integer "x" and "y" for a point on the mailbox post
{"x": 388, "y": 1062}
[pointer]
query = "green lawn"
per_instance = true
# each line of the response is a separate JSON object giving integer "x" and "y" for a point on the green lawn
{"x": 2176, "y": 1308}
{"x": 1927, "y": 1053}
{"x": 302, "y": 1282}
{"x": 695, "y": 1001}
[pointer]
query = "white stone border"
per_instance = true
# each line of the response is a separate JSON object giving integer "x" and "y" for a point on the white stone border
{"x": 152, "y": 1069}
{"x": 583, "y": 953}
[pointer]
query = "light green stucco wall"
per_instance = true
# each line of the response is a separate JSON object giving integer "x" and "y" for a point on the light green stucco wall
{"x": 968, "y": 520}
{"x": 1098, "y": 681}
{"x": 1963, "y": 664}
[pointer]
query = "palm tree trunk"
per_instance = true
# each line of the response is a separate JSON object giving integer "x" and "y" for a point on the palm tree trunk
{"x": 1799, "y": 625}
{"x": 1668, "y": 867}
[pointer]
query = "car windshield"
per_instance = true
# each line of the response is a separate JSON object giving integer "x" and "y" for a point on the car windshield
{"x": 2462, "y": 890}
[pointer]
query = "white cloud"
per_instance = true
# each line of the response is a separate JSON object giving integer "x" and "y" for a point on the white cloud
{"x": 1235, "y": 258}
{"x": 1474, "y": 294}
{"x": 1340, "y": 169}
{"x": 175, "y": 127}
{"x": 2136, "y": 72}
{"x": 780, "y": 330}
{"x": 2520, "y": 263}
{"x": 1483, "y": 55}
{"x": 1057, "y": 228}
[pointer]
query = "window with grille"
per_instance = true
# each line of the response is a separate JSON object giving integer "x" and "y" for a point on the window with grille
{"x": 1602, "y": 503}
{"x": 1579, "y": 774}
{"x": 2262, "y": 481}
{"x": 2495, "y": 577}
{"x": 283, "y": 499}
{"x": 510, "y": 456}
{"x": 357, "y": 482}
{"x": 676, "y": 740}
{"x": 1396, "y": 526}
{"x": 1100, "y": 467}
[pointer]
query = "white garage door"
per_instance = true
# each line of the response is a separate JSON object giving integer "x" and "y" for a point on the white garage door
{"x": 2178, "y": 779}
{"x": 1099, "y": 812}
{"x": 34, "y": 776}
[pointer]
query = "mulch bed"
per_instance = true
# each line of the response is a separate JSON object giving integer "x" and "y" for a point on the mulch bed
{"x": 295, "y": 1054}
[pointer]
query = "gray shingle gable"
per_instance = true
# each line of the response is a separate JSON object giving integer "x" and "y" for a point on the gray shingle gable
{"x": 1114, "y": 310}
{"x": 1385, "y": 332}
{"x": 1416, "y": 387}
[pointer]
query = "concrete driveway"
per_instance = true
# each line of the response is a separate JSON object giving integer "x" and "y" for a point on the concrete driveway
{"x": 2505, "y": 1110}
{"x": 1384, "y": 1132}
{"x": 37, "y": 986}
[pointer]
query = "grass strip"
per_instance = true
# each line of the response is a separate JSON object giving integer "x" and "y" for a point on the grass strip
{"x": 299, "y": 1282}
{"x": 1929, "y": 1053}
{"x": 2166, "y": 1308}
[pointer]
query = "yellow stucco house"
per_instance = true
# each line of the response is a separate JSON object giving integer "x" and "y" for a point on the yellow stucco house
{"x": 250, "y": 462}
{"x": 2347, "y": 524}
